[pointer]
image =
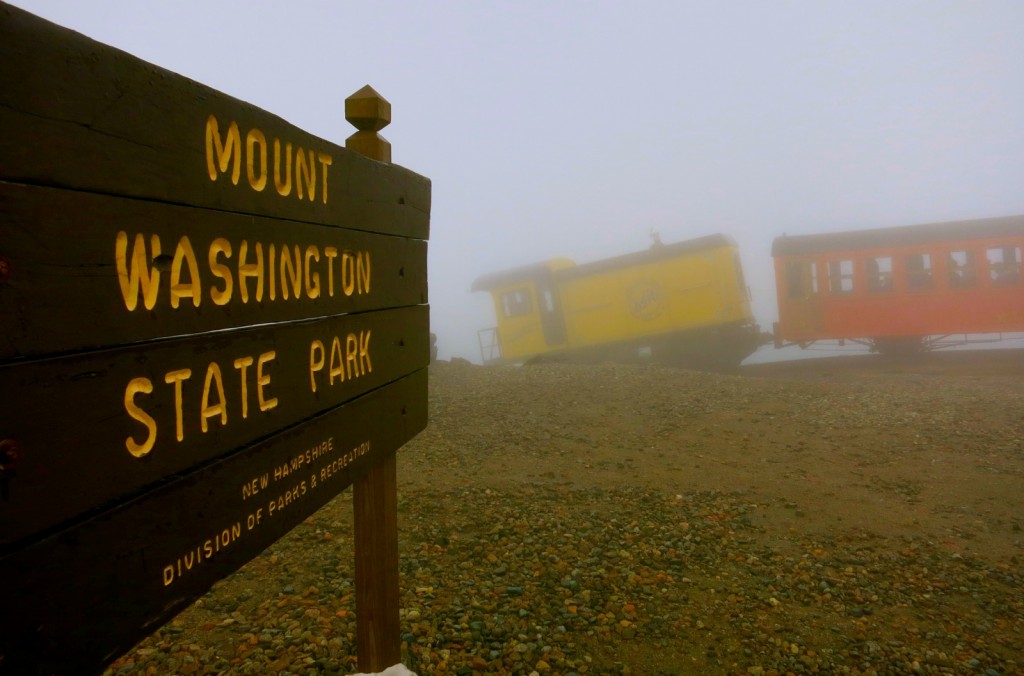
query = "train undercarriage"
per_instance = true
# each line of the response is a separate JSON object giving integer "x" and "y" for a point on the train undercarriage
{"x": 718, "y": 349}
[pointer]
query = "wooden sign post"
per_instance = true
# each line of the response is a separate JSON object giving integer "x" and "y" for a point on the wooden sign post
{"x": 375, "y": 494}
{"x": 213, "y": 322}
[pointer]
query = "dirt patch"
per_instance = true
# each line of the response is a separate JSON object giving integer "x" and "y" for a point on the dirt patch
{"x": 931, "y": 448}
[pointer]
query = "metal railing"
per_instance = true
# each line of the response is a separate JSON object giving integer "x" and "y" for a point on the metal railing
{"x": 490, "y": 347}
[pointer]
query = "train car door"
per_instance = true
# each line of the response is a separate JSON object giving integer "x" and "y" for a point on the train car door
{"x": 803, "y": 318}
{"x": 552, "y": 321}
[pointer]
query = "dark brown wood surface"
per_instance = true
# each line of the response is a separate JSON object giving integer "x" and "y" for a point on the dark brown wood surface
{"x": 71, "y": 422}
{"x": 61, "y": 291}
{"x": 164, "y": 438}
{"x": 375, "y": 508}
{"x": 375, "y": 494}
{"x": 78, "y": 114}
{"x": 85, "y": 595}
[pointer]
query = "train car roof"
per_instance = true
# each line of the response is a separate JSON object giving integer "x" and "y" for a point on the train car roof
{"x": 566, "y": 269}
{"x": 518, "y": 274}
{"x": 904, "y": 235}
{"x": 652, "y": 254}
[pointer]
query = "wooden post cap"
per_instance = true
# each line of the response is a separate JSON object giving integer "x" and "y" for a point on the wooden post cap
{"x": 369, "y": 112}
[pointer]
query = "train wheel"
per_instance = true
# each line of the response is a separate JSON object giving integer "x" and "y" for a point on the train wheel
{"x": 898, "y": 346}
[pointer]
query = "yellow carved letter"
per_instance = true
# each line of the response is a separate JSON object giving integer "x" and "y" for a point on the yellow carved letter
{"x": 242, "y": 364}
{"x": 348, "y": 273}
{"x": 312, "y": 281}
{"x": 363, "y": 267}
{"x": 283, "y": 189}
{"x": 253, "y": 138}
{"x": 220, "y": 408}
{"x": 364, "y": 352}
{"x": 221, "y": 153}
{"x": 272, "y": 270}
{"x": 316, "y": 363}
{"x": 325, "y": 161}
{"x": 145, "y": 386}
{"x": 352, "y": 355}
{"x": 330, "y": 253}
{"x": 176, "y": 378}
{"x": 264, "y": 380}
{"x": 220, "y": 246}
{"x": 337, "y": 361}
{"x": 246, "y": 270}
{"x": 193, "y": 289}
{"x": 305, "y": 169}
{"x": 140, "y": 273}
{"x": 291, "y": 272}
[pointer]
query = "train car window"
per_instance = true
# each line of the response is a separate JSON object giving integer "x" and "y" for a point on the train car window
{"x": 840, "y": 276}
{"x": 960, "y": 269}
{"x": 549, "y": 301}
{"x": 801, "y": 278}
{"x": 1004, "y": 265}
{"x": 516, "y": 303}
{"x": 919, "y": 271}
{"x": 879, "y": 269}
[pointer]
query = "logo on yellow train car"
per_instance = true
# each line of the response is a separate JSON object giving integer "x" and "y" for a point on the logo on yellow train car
{"x": 645, "y": 299}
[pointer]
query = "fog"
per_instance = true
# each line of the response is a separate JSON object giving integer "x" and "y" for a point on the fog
{"x": 576, "y": 129}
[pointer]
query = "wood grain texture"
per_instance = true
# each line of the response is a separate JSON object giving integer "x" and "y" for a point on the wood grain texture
{"x": 62, "y": 291}
{"x": 375, "y": 508}
{"x": 72, "y": 423}
{"x": 79, "y": 114}
{"x": 375, "y": 494}
{"x": 170, "y": 421}
{"x": 88, "y": 593}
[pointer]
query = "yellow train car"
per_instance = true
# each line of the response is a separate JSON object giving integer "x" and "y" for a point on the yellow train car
{"x": 685, "y": 303}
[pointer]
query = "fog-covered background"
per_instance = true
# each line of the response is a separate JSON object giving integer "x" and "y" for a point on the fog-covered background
{"x": 577, "y": 128}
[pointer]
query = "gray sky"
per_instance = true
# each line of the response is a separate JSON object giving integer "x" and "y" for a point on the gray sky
{"x": 575, "y": 128}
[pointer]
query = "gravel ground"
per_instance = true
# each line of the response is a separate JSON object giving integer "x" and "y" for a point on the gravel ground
{"x": 838, "y": 517}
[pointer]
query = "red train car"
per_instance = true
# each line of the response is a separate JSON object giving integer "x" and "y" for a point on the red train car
{"x": 901, "y": 289}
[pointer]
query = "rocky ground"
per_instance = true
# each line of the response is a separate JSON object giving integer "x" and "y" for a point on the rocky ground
{"x": 832, "y": 516}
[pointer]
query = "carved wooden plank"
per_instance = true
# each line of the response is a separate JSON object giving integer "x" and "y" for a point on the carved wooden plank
{"x": 87, "y": 594}
{"x": 99, "y": 426}
{"x": 78, "y": 266}
{"x": 79, "y": 114}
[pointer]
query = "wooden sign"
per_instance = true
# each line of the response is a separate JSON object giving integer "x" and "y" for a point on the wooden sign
{"x": 139, "y": 414}
{"x": 82, "y": 115}
{"x": 213, "y": 323}
{"x": 130, "y": 270}
{"x": 85, "y": 596}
